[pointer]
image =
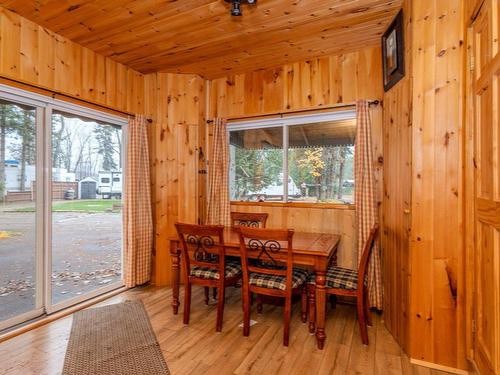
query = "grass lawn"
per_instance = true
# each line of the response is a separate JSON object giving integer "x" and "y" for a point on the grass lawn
{"x": 95, "y": 205}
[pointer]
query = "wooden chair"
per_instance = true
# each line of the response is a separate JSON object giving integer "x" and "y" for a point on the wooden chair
{"x": 203, "y": 258}
{"x": 249, "y": 219}
{"x": 347, "y": 282}
{"x": 267, "y": 263}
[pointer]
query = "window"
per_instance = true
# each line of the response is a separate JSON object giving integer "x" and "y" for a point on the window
{"x": 105, "y": 180}
{"x": 318, "y": 164}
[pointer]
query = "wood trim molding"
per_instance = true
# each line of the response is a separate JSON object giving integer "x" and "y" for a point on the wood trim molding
{"x": 435, "y": 366}
{"x": 37, "y": 89}
{"x": 332, "y": 206}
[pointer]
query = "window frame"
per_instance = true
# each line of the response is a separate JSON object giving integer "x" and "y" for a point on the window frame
{"x": 285, "y": 122}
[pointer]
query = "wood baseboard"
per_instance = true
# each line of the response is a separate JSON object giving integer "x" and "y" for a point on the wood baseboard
{"x": 435, "y": 366}
{"x": 58, "y": 315}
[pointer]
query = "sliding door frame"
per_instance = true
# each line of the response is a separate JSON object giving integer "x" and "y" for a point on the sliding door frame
{"x": 45, "y": 106}
{"x": 76, "y": 110}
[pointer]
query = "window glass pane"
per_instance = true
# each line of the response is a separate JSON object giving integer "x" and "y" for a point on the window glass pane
{"x": 256, "y": 169}
{"x": 86, "y": 205}
{"x": 321, "y": 162}
{"x": 18, "y": 258}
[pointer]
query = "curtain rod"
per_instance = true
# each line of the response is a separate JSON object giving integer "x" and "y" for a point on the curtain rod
{"x": 281, "y": 114}
{"x": 54, "y": 94}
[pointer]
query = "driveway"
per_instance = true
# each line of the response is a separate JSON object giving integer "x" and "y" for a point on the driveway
{"x": 86, "y": 255}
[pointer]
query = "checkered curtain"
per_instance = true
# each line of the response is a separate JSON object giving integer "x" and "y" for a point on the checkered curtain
{"x": 138, "y": 221}
{"x": 219, "y": 210}
{"x": 365, "y": 199}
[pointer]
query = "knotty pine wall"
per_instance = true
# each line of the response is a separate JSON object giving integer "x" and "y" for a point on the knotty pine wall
{"x": 423, "y": 194}
{"x": 437, "y": 323}
{"x": 37, "y": 56}
{"x": 176, "y": 104}
{"x": 396, "y": 201}
{"x": 314, "y": 83}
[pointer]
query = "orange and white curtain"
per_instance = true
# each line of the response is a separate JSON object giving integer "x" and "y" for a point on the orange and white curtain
{"x": 365, "y": 199}
{"x": 219, "y": 210}
{"x": 138, "y": 220}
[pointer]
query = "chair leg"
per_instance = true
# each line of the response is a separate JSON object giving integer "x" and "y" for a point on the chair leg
{"x": 288, "y": 312}
{"x": 220, "y": 309}
{"x": 362, "y": 320}
{"x": 187, "y": 302}
{"x": 366, "y": 303}
{"x": 246, "y": 312}
{"x": 207, "y": 291}
{"x": 303, "y": 303}
{"x": 311, "y": 296}
{"x": 259, "y": 303}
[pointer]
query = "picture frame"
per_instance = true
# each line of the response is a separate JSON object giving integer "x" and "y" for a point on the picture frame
{"x": 393, "y": 61}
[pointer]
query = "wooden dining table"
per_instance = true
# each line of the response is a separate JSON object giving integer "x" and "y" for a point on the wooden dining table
{"x": 314, "y": 250}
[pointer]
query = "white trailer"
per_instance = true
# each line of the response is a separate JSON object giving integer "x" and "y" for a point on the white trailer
{"x": 109, "y": 184}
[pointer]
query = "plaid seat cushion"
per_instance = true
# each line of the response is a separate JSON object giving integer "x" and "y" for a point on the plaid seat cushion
{"x": 299, "y": 277}
{"x": 339, "y": 278}
{"x": 232, "y": 269}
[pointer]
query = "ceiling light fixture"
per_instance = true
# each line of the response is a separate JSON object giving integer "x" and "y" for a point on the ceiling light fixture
{"x": 236, "y": 6}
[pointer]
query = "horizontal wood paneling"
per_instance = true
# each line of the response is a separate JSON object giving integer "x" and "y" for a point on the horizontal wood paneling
{"x": 37, "y": 56}
{"x": 311, "y": 84}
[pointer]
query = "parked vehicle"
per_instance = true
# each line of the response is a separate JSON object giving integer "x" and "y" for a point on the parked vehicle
{"x": 110, "y": 184}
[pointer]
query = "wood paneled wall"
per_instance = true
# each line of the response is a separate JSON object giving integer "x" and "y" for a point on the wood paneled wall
{"x": 176, "y": 104}
{"x": 37, "y": 56}
{"x": 423, "y": 193}
{"x": 396, "y": 201}
{"x": 311, "y": 84}
{"x": 437, "y": 253}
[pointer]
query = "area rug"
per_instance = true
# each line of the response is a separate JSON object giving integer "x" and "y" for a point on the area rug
{"x": 114, "y": 339}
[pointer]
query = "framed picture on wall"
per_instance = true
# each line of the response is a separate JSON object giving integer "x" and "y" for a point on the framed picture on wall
{"x": 393, "y": 52}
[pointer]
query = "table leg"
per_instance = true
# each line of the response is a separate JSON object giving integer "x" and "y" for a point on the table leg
{"x": 320, "y": 308}
{"x": 311, "y": 296}
{"x": 175, "y": 253}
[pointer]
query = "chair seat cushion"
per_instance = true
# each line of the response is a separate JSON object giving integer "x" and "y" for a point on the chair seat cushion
{"x": 299, "y": 277}
{"x": 339, "y": 278}
{"x": 232, "y": 269}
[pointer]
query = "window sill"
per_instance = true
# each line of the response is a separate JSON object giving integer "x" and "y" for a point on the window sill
{"x": 336, "y": 206}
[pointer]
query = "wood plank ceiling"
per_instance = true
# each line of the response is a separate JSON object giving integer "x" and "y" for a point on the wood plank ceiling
{"x": 200, "y": 36}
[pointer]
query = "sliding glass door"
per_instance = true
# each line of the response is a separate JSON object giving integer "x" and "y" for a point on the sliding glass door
{"x": 21, "y": 266}
{"x": 86, "y": 218}
{"x": 61, "y": 189}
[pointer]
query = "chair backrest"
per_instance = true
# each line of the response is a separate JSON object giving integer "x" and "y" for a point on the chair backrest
{"x": 249, "y": 219}
{"x": 267, "y": 251}
{"x": 365, "y": 256}
{"x": 202, "y": 245}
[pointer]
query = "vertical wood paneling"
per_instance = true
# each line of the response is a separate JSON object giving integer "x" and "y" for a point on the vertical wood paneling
{"x": 175, "y": 103}
{"x": 37, "y": 56}
{"x": 437, "y": 324}
{"x": 396, "y": 200}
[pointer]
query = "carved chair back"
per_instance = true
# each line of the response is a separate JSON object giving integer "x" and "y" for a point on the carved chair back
{"x": 249, "y": 219}
{"x": 267, "y": 251}
{"x": 202, "y": 245}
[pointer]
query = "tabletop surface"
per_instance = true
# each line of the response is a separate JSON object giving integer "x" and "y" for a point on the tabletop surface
{"x": 303, "y": 242}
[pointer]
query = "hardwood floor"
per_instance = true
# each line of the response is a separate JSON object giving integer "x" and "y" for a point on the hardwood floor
{"x": 198, "y": 349}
